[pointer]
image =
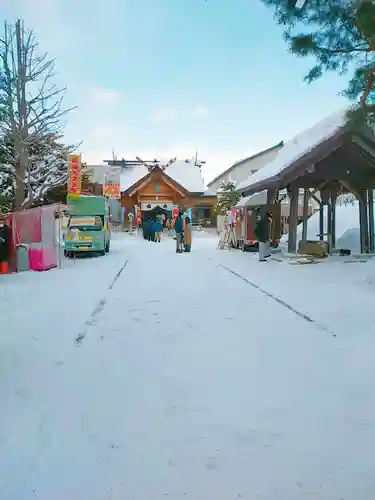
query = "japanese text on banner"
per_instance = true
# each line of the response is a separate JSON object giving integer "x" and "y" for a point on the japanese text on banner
{"x": 111, "y": 187}
{"x": 74, "y": 175}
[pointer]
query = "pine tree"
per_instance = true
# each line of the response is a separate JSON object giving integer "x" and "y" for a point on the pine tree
{"x": 227, "y": 197}
{"x": 340, "y": 35}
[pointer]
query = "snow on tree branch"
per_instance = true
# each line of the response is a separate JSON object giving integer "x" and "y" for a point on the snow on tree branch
{"x": 31, "y": 113}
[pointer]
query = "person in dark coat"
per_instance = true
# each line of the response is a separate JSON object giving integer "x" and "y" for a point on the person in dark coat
{"x": 4, "y": 246}
{"x": 261, "y": 231}
{"x": 151, "y": 235}
{"x": 179, "y": 228}
{"x": 145, "y": 228}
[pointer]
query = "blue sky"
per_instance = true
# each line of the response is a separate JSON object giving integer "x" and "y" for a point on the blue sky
{"x": 159, "y": 78}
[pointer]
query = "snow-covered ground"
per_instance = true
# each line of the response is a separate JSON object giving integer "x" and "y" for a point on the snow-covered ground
{"x": 201, "y": 376}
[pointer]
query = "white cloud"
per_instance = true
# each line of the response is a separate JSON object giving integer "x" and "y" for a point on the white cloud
{"x": 104, "y": 96}
{"x": 163, "y": 115}
{"x": 200, "y": 112}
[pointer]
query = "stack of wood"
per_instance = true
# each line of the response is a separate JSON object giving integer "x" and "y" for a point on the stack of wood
{"x": 314, "y": 248}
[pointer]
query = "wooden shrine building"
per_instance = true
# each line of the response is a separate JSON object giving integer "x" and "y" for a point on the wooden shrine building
{"x": 329, "y": 159}
{"x": 154, "y": 188}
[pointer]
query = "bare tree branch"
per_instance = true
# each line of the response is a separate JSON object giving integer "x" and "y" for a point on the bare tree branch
{"x": 33, "y": 114}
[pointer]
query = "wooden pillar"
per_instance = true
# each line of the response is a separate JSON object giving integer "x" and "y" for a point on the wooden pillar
{"x": 333, "y": 218}
{"x": 293, "y": 214}
{"x": 363, "y": 221}
{"x": 272, "y": 196}
{"x": 325, "y": 197}
{"x": 321, "y": 221}
{"x": 329, "y": 225}
{"x": 306, "y": 195}
{"x": 371, "y": 220}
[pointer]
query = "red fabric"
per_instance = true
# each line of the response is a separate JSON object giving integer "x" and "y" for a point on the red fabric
{"x": 28, "y": 226}
{"x": 4, "y": 268}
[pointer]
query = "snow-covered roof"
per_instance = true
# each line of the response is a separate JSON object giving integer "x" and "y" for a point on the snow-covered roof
{"x": 187, "y": 174}
{"x": 248, "y": 159}
{"x": 298, "y": 147}
{"x": 130, "y": 175}
{"x": 184, "y": 172}
{"x": 252, "y": 200}
{"x": 209, "y": 192}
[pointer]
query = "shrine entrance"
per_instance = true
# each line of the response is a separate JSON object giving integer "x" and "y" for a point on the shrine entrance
{"x": 154, "y": 212}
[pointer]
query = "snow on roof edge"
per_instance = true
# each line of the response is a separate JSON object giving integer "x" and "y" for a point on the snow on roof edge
{"x": 183, "y": 172}
{"x": 298, "y": 147}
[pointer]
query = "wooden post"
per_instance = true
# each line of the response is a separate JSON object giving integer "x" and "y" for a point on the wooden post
{"x": 306, "y": 195}
{"x": 333, "y": 221}
{"x": 366, "y": 221}
{"x": 321, "y": 221}
{"x": 329, "y": 225}
{"x": 363, "y": 221}
{"x": 293, "y": 214}
{"x": 371, "y": 219}
{"x": 361, "y": 226}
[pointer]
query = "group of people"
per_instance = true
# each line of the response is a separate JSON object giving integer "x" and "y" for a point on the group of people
{"x": 154, "y": 227}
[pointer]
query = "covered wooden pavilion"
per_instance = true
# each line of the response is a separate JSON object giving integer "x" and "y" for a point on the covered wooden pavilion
{"x": 324, "y": 161}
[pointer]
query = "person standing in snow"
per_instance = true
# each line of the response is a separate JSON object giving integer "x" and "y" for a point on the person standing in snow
{"x": 145, "y": 228}
{"x": 169, "y": 226}
{"x": 162, "y": 220}
{"x": 261, "y": 231}
{"x": 178, "y": 227}
{"x": 4, "y": 246}
{"x": 187, "y": 234}
{"x": 157, "y": 229}
{"x": 151, "y": 235}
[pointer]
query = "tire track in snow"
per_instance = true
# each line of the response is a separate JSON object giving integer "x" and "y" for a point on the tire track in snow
{"x": 100, "y": 306}
{"x": 278, "y": 300}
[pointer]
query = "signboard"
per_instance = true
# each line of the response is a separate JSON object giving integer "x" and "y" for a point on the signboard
{"x": 83, "y": 221}
{"x": 175, "y": 213}
{"x": 111, "y": 186}
{"x": 74, "y": 175}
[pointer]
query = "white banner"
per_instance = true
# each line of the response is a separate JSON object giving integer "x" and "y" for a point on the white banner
{"x": 151, "y": 205}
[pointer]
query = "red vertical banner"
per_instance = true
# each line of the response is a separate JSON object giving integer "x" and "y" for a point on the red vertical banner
{"x": 74, "y": 175}
{"x": 175, "y": 213}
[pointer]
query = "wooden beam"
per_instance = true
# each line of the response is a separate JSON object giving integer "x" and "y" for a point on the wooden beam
{"x": 362, "y": 144}
{"x": 175, "y": 188}
{"x": 316, "y": 199}
{"x": 350, "y": 188}
{"x": 140, "y": 186}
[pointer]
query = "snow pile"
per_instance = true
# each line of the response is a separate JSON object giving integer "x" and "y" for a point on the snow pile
{"x": 347, "y": 228}
{"x": 131, "y": 175}
{"x": 187, "y": 174}
{"x": 184, "y": 172}
{"x": 298, "y": 147}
